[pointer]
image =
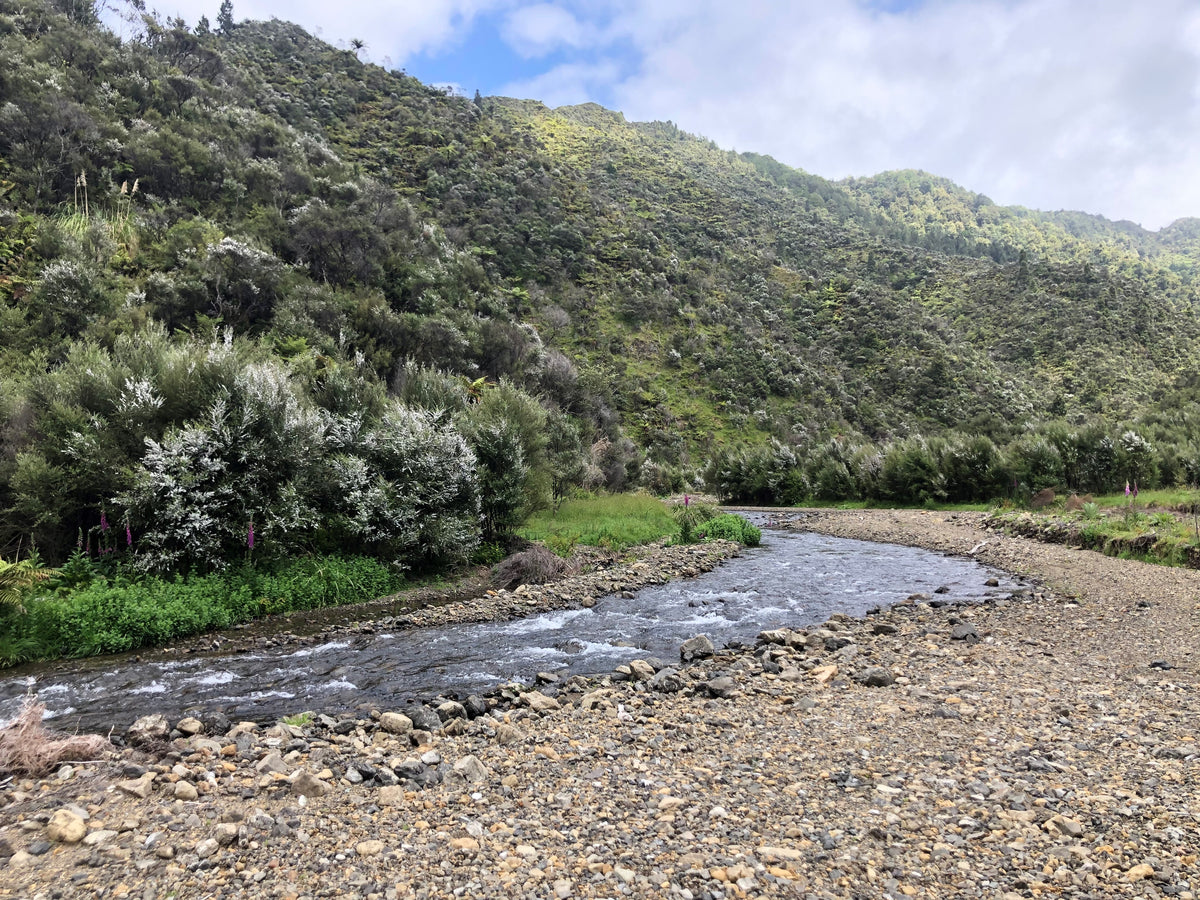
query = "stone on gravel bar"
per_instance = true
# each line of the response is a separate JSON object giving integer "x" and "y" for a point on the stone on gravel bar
{"x": 396, "y": 723}
{"x": 539, "y": 702}
{"x": 698, "y": 647}
{"x": 964, "y": 632}
{"x": 138, "y": 787}
{"x": 470, "y": 768}
{"x": 65, "y": 827}
{"x": 875, "y": 676}
{"x": 451, "y": 709}
{"x": 641, "y": 670}
{"x": 306, "y": 784}
{"x": 148, "y": 730}
{"x": 668, "y": 681}
{"x": 722, "y": 686}
{"x": 393, "y": 795}
{"x": 369, "y": 848}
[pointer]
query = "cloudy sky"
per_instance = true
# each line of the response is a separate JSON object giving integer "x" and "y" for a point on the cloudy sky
{"x": 1051, "y": 104}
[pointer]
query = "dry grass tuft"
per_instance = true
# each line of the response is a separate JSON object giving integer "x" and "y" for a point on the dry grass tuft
{"x": 27, "y": 748}
{"x": 537, "y": 565}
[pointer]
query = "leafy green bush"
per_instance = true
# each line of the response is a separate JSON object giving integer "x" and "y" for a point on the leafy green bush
{"x": 730, "y": 527}
{"x": 691, "y": 517}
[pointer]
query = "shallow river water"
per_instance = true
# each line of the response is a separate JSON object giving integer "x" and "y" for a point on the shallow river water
{"x": 791, "y": 580}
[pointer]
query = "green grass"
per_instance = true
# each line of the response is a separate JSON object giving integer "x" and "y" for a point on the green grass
{"x": 1167, "y": 498}
{"x": 112, "y": 615}
{"x": 612, "y": 521}
{"x": 1127, "y": 530}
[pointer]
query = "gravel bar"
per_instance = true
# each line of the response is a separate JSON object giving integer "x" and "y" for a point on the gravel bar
{"x": 1038, "y": 745}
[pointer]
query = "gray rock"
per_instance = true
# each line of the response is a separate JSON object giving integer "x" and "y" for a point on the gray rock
{"x": 272, "y": 763}
{"x": 148, "y": 730}
{"x": 470, "y": 768}
{"x": 305, "y": 784}
{"x": 875, "y": 676}
{"x": 698, "y": 647}
{"x": 138, "y": 787}
{"x": 964, "y": 632}
{"x": 508, "y": 734}
{"x": 475, "y": 706}
{"x": 395, "y": 723}
{"x": 641, "y": 670}
{"x": 539, "y": 702}
{"x": 668, "y": 681}
{"x": 722, "y": 686}
{"x": 883, "y": 628}
{"x": 423, "y": 718}
{"x": 189, "y": 725}
{"x": 214, "y": 722}
{"x": 451, "y": 709}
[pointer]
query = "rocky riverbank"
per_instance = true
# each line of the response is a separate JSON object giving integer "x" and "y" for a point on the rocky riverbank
{"x": 472, "y": 601}
{"x": 1038, "y": 745}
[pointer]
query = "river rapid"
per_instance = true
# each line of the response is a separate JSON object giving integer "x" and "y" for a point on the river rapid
{"x": 792, "y": 580}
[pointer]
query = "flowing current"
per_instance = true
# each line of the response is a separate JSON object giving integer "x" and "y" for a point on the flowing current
{"x": 791, "y": 580}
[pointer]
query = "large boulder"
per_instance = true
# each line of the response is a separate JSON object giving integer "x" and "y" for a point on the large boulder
{"x": 698, "y": 647}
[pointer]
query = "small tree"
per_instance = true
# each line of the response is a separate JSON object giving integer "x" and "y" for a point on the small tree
{"x": 225, "y": 23}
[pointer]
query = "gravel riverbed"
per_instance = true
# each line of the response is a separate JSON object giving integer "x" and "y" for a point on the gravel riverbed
{"x": 1033, "y": 746}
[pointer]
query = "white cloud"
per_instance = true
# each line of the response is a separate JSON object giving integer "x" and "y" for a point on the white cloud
{"x": 540, "y": 29}
{"x": 566, "y": 84}
{"x": 1046, "y": 103}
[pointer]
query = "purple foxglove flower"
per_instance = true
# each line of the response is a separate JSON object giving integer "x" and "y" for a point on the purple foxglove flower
{"x": 250, "y": 536}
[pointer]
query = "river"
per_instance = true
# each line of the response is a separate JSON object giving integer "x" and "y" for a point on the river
{"x": 791, "y": 580}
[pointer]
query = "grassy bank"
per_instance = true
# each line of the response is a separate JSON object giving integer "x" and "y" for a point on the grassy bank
{"x": 97, "y": 613}
{"x": 613, "y": 522}
{"x": 1146, "y": 529}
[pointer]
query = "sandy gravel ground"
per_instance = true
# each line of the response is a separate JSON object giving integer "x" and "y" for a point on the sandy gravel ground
{"x": 1043, "y": 745}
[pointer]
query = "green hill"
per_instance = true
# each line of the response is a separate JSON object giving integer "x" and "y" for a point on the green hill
{"x": 664, "y": 298}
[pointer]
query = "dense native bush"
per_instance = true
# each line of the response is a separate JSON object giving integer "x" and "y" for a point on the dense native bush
{"x": 242, "y": 471}
{"x": 973, "y": 469}
{"x": 404, "y": 488}
{"x": 910, "y": 473}
{"x": 1035, "y": 462}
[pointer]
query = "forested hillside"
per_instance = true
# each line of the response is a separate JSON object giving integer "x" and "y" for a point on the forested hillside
{"x": 248, "y": 281}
